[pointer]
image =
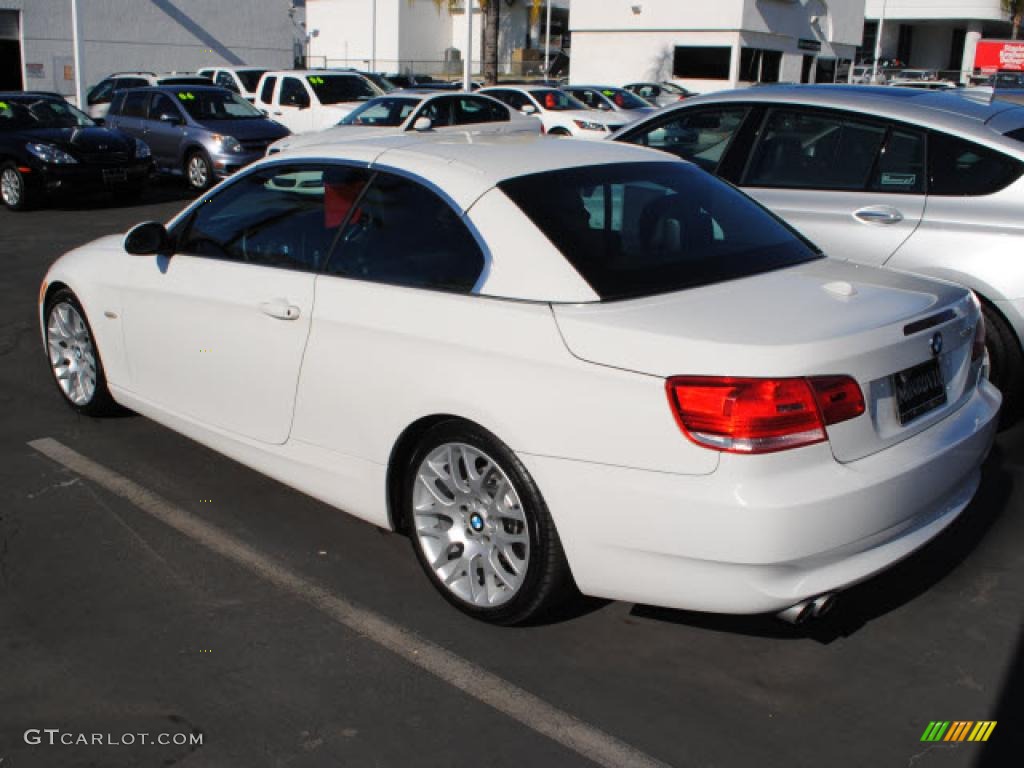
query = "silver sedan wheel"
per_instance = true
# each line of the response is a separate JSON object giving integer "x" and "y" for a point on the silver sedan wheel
{"x": 10, "y": 187}
{"x": 470, "y": 525}
{"x": 198, "y": 172}
{"x": 72, "y": 356}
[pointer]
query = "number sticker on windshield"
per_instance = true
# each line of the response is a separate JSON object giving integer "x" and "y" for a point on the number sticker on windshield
{"x": 3, "y": 105}
{"x": 186, "y": 96}
{"x": 315, "y": 80}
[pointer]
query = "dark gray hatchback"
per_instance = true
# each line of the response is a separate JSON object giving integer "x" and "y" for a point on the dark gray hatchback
{"x": 203, "y": 133}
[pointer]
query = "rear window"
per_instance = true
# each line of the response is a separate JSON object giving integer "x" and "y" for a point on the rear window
{"x": 963, "y": 168}
{"x": 638, "y": 229}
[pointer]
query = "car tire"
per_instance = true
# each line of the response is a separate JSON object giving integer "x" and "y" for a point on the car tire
{"x": 198, "y": 171}
{"x": 74, "y": 358}
{"x": 483, "y": 533}
{"x": 13, "y": 188}
{"x": 559, "y": 132}
{"x": 1006, "y": 366}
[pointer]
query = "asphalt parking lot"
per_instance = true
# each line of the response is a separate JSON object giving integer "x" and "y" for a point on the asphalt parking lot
{"x": 190, "y": 595}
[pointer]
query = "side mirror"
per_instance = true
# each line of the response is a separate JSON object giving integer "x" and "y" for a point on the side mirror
{"x": 167, "y": 117}
{"x": 529, "y": 109}
{"x": 422, "y": 124}
{"x": 147, "y": 239}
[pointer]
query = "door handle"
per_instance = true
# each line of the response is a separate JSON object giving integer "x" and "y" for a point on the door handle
{"x": 280, "y": 308}
{"x": 277, "y": 114}
{"x": 881, "y": 214}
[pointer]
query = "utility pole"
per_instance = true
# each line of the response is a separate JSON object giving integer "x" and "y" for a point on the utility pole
{"x": 373, "y": 37}
{"x": 547, "y": 42}
{"x": 467, "y": 65}
{"x": 76, "y": 35}
{"x": 878, "y": 45}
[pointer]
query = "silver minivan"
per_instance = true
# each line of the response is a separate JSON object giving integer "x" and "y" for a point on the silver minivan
{"x": 921, "y": 181}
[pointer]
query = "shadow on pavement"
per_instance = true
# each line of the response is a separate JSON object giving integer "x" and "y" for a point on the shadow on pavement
{"x": 883, "y": 593}
{"x": 160, "y": 190}
{"x": 1006, "y": 745}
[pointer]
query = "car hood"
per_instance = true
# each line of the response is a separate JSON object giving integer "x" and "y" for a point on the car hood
{"x": 246, "y": 130}
{"x": 86, "y": 141}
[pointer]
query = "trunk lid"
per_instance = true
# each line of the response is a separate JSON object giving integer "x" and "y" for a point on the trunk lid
{"x": 821, "y": 318}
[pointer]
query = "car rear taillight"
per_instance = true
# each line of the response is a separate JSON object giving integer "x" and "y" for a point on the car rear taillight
{"x": 748, "y": 415}
{"x": 978, "y": 347}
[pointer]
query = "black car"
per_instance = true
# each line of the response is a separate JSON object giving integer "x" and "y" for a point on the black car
{"x": 48, "y": 147}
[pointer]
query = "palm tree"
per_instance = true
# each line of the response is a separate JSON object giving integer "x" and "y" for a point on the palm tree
{"x": 491, "y": 26}
{"x": 1016, "y": 10}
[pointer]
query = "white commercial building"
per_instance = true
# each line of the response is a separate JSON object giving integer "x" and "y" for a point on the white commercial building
{"x": 713, "y": 45}
{"x": 37, "y": 39}
{"x": 424, "y": 36}
{"x": 933, "y": 34}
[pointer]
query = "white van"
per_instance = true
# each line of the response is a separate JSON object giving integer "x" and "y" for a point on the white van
{"x": 313, "y": 99}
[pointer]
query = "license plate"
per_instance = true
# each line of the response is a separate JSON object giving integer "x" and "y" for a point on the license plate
{"x": 918, "y": 390}
{"x": 115, "y": 175}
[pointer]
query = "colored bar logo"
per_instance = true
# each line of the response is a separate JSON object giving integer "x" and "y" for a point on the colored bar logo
{"x": 958, "y": 730}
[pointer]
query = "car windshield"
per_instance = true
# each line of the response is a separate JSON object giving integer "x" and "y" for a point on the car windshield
{"x": 638, "y": 229}
{"x": 381, "y": 112}
{"x": 334, "y": 89}
{"x": 381, "y": 82}
{"x": 216, "y": 105}
{"x": 673, "y": 88}
{"x": 556, "y": 101}
{"x": 624, "y": 99}
{"x": 23, "y": 113}
{"x": 250, "y": 78}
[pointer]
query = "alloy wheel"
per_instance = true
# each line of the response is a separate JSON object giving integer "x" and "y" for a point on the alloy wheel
{"x": 198, "y": 172}
{"x": 72, "y": 355}
{"x": 10, "y": 187}
{"x": 470, "y": 525}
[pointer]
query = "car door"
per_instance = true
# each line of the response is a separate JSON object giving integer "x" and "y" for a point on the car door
{"x": 853, "y": 185}
{"x": 163, "y": 129}
{"x": 215, "y": 332}
{"x": 405, "y": 258}
{"x": 128, "y": 112}
{"x": 292, "y": 107}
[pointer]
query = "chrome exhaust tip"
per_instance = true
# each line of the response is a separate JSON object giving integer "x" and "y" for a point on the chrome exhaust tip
{"x": 823, "y": 604}
{"x": 797, "y": 614}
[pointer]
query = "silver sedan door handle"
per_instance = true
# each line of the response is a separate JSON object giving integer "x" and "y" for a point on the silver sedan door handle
{"x": 280, "y": 309}
{"x": 881, "y": 214}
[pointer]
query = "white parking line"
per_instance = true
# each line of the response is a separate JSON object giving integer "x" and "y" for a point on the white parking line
{"x": 522, "y": 706}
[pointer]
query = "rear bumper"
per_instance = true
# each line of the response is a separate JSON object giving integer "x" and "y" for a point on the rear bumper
{"x": 764, "y": 532}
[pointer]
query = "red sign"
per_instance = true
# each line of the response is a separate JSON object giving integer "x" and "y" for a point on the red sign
{"x": 996, "y": 55}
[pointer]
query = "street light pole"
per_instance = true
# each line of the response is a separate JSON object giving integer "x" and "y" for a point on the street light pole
{"x": 76, "y": 35}
{"x": 547, "y": 41}
{"x": 878, "y": 45}
{"x": 467, "y": 65}
{"x": 373, "y": 37}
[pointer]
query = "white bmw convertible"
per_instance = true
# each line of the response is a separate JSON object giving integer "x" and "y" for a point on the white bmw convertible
{"x": 550, "y": 364}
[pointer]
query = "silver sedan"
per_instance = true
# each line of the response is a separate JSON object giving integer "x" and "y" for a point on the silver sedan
{"x": 920, "y": 181}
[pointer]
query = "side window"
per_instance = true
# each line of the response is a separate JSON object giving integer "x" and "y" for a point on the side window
{"x": 649, "y": 92}
{"x": 162, "y": 104}
{"x": 404, "y": 234}
{"x": 901, "y": 165}
{"x": 225, "y": 80}
{"x": 267, "y": 92}
{"x": 700, "y": 136}
{"x": 962, "y": 168}
{"x": 293, "y": 93}
{"x": 812, "y": 150}
{"x": 285, "y": 217}
{"x": 439, "y": 111}
{"x": 514, "y": 99}
{"x": 469, "y": 110}
{"x": 134, "y": 104}
{"x": 101, "y": 93}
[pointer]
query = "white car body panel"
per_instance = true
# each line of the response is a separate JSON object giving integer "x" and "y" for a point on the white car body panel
{"x": 576, "y": 387}
{"x": 563, "y": 120}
